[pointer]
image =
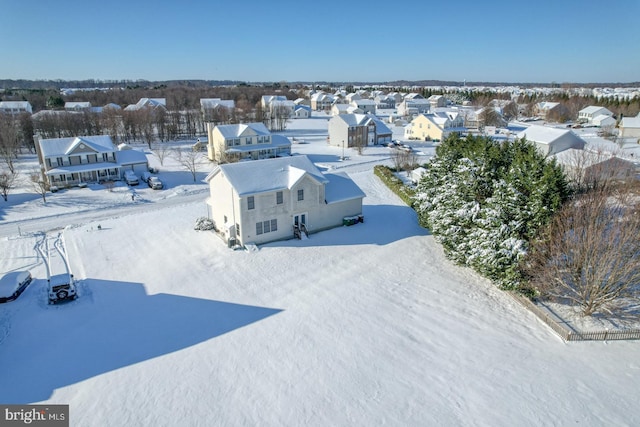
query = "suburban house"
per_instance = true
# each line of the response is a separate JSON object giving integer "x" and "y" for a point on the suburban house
{"x": 437, "y": 101}
{"x": 385, "y": 101}
{"x": 301, "y": 111}
{"x": 216, "y": 109}
{"x": 71, "y": 161}
{"x": 434, "y": 126}
{"x": 321, "y": 101}
{"x": 357, "y": 130}
{"x": 277, "y": 199}
{"x": 413, "y": 106}
{"x": 630, "y": 127}
{"x": 367, "y": 106}
{"x": 244, "y": 141}
{"x": 547, "y": 110}
{"x": 15, "y": 107}
{"x": 588, "y": 114}
{"x": 77, "y": 106}
{"x": 153, "y": 103}
{"x": 551, "y": 141}
{"x": 587, "y": 166}
{"x": 344, "y": 109}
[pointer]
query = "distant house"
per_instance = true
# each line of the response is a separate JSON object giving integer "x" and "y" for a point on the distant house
{"x": 344, "y": 109}
{"x": 630, "y": 127}
{"x": 550, "y": 110}
{"x": 216, "y": 109}
{"x": 70, "y": 161}
{"x": 385, "y": 102}
{"x": 588, "y": 114}
{"x": 588, "y": 166}
{"x": 152, "y": 103}
{"x": 434, "y": 126}
{"x": 550, "y": 140}
{"x": 367, "y": 106}
{"x": 277, "y": 199}
{"x": 15, "y": 107}
{"x": 353, "y": 130}
{"x": 249, "y": 141}
{"x": 321, "y": 101}
{"x": 301, "y": 111}
{"x": 414, "y": 106}
{"x": 437, "y": 101}
{"x": 77, "y": 106}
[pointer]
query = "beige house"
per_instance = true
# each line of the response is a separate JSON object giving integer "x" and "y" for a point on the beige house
{"x": 249, "y": 141}
{"x": 630, "y": 127}
{"x": 434, "y": 127}
{"x": 278, "y": 199}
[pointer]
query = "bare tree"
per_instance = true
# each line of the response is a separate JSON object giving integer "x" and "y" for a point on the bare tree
{"x": 7, "y": 181}
{"x": 190, "y": 160}
{"x": 39, "y": 185}
{"x": 589, "y": 255}
{"x": 161, "y": 151}
{"x": 9, "y": 140}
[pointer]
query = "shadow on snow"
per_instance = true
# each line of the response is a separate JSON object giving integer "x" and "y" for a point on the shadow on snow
{"x": 110, "y": 326}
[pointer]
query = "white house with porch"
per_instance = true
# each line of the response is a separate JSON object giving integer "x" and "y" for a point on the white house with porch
{"x": 66, "y": 162}
{"x": 278, "y": 199}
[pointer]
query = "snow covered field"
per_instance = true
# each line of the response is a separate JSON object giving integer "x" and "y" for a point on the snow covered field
{"x": 362, "y": 325}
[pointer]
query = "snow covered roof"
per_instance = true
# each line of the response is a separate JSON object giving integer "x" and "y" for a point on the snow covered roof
{"x": 237, "y": 130}
{"x": 261, "y": 176}
{"x": 364, "y": 120}
{"x": 217, "y": 102}
{"x": 76, "y": 105}
{"x": 131, "y": 157}
{"x": 630, "y": 122}
{"x": 15, "y": 105}
{"x": 593, "y": 109}
{"x": 341, "y": 188}
{"x": 64, "y": 146}
{"x": 147, "y": 102}
{"x": 86, "y": 167}
{"x": 547, "y": 135}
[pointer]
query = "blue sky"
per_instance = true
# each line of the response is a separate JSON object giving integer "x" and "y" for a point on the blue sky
{"x": 372, "y": 41}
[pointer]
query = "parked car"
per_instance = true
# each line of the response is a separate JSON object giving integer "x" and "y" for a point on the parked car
{"x": 155, "y": 183}
{"x": 62, "y": 291}
{"x": 131, "y": 178}
{"x": 13, "y": 284}
{"x": 145, "y": 176}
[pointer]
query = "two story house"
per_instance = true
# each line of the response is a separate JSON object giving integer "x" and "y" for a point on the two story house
{"x": 244, "y": 141}
{"x": 276, "y": 199}
{"x": 71, "y": 161}
{"x": 550, "y": 141}
{"x": 15, "y": 107}
{"x": 357, "y": 130}
{"x": 435, "y": 126}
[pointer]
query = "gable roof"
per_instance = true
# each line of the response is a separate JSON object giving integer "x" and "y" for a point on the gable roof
{"x": 64, "y": 146}
{"x": 259, "y": 176}
{"x": 549, "y": 135}
{"x": 242, "y": 129}
{"x": 630, "y": 122}
{"x": 593, "y": 109}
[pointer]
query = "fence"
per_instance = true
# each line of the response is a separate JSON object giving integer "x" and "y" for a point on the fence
{"x": 569, "y": 334}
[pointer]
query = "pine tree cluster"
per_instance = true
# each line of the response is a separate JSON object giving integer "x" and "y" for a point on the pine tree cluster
{"x": 484, "y": 200}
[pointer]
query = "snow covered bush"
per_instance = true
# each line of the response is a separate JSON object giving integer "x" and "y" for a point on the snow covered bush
{"x": 484, "y": 201}
{"x": 203, "y": 223}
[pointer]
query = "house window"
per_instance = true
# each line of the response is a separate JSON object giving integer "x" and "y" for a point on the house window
{"x": 105, "y": 156}
{"x": 251, "y": 202}
{"x": 237, "y": 229}
{"x": 59, "y": 160}
{"x": 279, "y": 198}
{"x": 300, "y": 195}
{"x": 248, "y": 141}
{"x": 225, "y": 219}
{"x": 266, "y": 226}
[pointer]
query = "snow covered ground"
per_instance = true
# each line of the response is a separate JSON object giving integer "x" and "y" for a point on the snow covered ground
{"x": 361, "y": 325}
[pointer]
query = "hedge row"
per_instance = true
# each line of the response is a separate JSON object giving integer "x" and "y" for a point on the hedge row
{"x": 396, "y": 185}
